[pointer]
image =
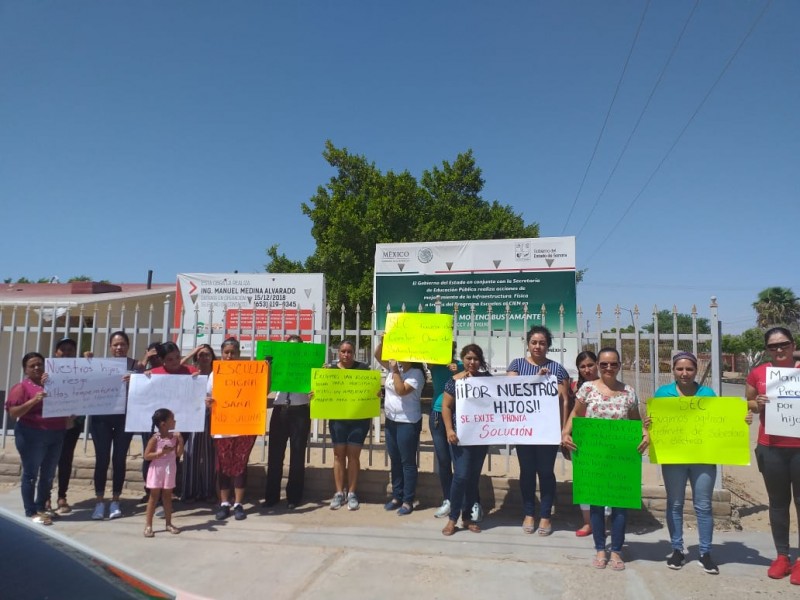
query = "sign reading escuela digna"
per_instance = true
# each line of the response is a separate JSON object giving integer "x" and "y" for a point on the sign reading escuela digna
{"x": 513, "y": 272}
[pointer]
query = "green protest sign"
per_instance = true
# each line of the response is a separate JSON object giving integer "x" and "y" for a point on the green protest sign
{"x": 345, "y": 394}
{"x": 290, "y": 370}
{"x": 606, "y": 467}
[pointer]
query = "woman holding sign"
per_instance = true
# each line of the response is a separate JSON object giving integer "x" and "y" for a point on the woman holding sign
{"x": 111, "y": 441}
{"x": 232, "y": 451}
{"x": 403, "y": 427}
{"x": 778, "y": 456}
{"x": 199, "y": 477}
{"x": 606, "y": 398}
{"x": 700, "y": 476}
{"x": 539, "y": 459}
{"x": 347, "y": 437}
{"x": 38, "y": 439}
{"x": 468, "y": 460}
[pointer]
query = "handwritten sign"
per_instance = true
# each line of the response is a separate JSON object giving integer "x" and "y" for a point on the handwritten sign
{"x": 240, "y": 397}
{"x": 508, "y": 410}
{"x": 345, "y": 394}
{"x": 705, "y": 430}
{"x": 291, "y": 364}
{"x": 782, "y": 412}
{"x": 84, "y": 386}
{"x": 606, "y": 467}
{"x": 418, "y": 337}
{"x": 184, "y": 395}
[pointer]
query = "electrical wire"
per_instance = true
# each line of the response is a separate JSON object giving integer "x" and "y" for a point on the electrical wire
{"x": 641, "y": 115}
{"x": 608, "y": 114}
{"x": 683, "y": 130}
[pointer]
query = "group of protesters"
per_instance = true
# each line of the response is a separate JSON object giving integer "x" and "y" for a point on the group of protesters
{"x": 214, "y": 468}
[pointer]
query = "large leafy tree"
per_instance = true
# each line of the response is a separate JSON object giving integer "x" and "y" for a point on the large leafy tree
{"x": 361, "y": 206}
{"x": 749, "y": 343}
{"x": 777, "y": 306}
{"x": 666, "y": 324}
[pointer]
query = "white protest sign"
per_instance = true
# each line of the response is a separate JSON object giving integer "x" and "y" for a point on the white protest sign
{"x": 782, "y": 412}
{"x": 184, "y": 395}
{"x": 84, "y": 386}
{"x": 508, "y": 410}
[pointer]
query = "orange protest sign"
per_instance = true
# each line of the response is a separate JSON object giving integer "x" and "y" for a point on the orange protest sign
{"x": 240, "y": 397}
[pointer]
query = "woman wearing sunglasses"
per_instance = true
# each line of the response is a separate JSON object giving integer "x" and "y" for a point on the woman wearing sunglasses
{"x": 778, "y": 456}
{"x": 606, "y": 398}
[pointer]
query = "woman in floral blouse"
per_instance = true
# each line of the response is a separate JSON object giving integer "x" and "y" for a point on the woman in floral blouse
{"x": 606, "y": 398}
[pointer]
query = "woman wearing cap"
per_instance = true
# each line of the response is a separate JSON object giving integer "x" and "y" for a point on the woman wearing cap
{"x": 700, "y": 476}
{"x": 778, "y": 456}
{"x": 38, "y": 438}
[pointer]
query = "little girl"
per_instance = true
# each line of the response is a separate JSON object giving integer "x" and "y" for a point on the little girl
{"x": 163, "y": 449}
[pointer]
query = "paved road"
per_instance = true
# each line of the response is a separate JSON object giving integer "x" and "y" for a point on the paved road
{"x": 318, "y": 553}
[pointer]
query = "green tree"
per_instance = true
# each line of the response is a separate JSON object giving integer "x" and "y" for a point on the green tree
{"x": 24, "y": 280}
{"x": 777, "y": 306}
{"x": 665, "y": 324}
{"x": 749, "y": 343}
{"x": 43, "y": 280}
{"x": 79, "y": 278}
{"x": 361, "y": 206}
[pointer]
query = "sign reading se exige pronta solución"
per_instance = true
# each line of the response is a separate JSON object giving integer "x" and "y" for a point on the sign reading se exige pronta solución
{"x": 698, "y": 429}
{"x": 508, "y": 410}
{"x": 240, "y": 397}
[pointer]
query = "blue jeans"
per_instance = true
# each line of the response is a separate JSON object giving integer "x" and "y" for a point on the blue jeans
{"x": 402, "y": 443}
{"x": 441, "y": 450}
{"x": 468, "y": 462}
{"x": 108, "y": 431}
{"x": 39, "y": 451}
{"x": 533, "y": 461}
{"x": 701, "y": 478}
{"x": 619, "y": 520}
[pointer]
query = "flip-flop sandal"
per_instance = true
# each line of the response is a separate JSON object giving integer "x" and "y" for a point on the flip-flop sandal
{"x": 616, "y": 564}
{"x": 173, "y": 529}
{"x": 148, "y": 532}
{"x": 599, "y": 563}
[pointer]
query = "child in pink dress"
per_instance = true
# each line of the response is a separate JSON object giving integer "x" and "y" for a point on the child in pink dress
{"x": 163, "y": 451}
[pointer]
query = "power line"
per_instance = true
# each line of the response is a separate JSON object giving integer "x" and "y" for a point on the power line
{"x": 683, "y": 130}
{"x": 608, "y": 114}
{"x": 641, "y": 115}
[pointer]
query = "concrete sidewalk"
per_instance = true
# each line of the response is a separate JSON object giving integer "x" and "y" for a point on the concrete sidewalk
{"x": 314, "y": 552}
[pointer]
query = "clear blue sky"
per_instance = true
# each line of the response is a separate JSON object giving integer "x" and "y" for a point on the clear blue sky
{"x": 183, "y": 136}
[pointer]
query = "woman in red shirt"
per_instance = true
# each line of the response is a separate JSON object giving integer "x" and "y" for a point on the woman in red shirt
{"x": 778, "y": 456}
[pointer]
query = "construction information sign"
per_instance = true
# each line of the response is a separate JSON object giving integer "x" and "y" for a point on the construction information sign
{"x": 214, "y": 304}
{"x": 480, "y": 273}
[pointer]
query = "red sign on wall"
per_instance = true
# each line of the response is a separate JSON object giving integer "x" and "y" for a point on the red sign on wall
{"x": 271, "y": 324}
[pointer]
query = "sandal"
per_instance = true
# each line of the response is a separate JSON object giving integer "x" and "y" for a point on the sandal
{"x": 599, "y": 562}
{"x": 148, "y": 532}
{"x": 450, "y": 528}
{"x": 41, "y": 519}
{"x": 173, "y": 529}
{"x": 528, "y": 527}
{"x": 471, "y": 526}
{"x": 617, "y": 564}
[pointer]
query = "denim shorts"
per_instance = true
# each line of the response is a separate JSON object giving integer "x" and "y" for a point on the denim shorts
{"x": 351, "y": 432}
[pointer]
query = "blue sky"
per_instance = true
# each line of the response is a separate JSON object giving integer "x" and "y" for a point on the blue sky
{"x": 183, "y": 136}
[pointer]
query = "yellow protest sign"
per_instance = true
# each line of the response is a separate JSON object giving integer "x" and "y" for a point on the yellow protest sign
{"x": 418, "y": 337}
{"x": 698, "y": 429}
{"x": 345, "y": 394}
{"x": 240, "y": 397}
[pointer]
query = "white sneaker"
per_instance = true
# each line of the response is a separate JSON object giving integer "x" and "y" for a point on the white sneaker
{"x": 443, "y": 510}
{"x": 114, "y": 511}
{"x": 352, "y": 501}
{"x": 477, "y": 513}
{"x": 338, "y": 501}
{"x": 99, "y": 512}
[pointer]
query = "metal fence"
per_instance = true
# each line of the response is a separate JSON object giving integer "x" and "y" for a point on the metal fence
{"x": 645, "y": 354}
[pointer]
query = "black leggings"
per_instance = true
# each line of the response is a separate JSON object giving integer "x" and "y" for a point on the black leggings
{"x": 109, "y": 431}
{"x": 780, "y": 468}
{"x": 65, "y": 462}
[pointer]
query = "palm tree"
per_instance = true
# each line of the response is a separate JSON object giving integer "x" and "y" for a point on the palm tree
{"x": 777, "y": 306}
